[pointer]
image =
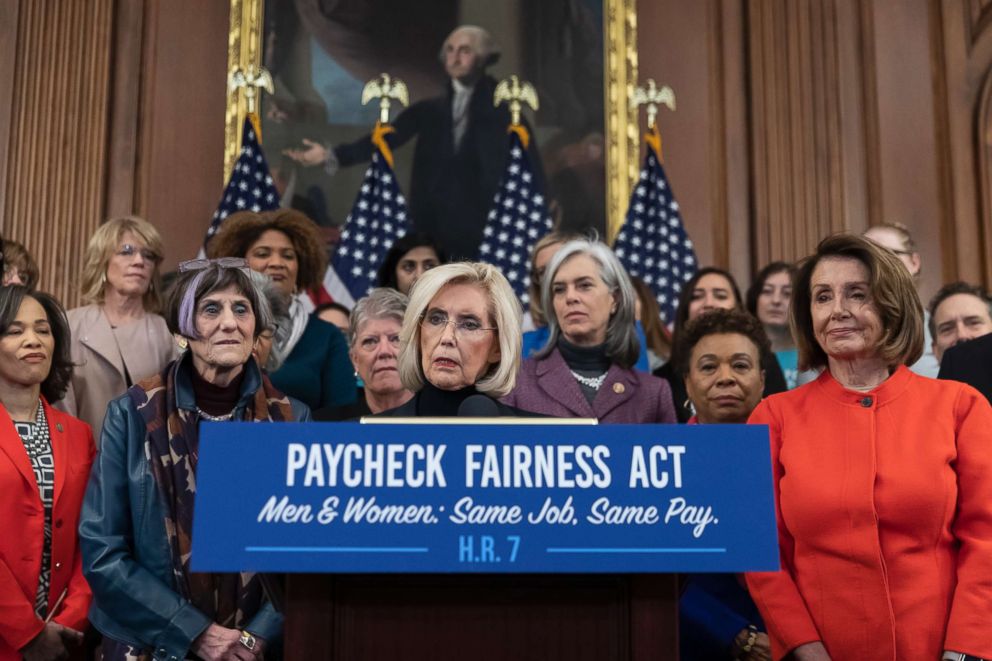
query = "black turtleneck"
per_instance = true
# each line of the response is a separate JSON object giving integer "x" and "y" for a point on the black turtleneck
{"x": 432, "y": 401}
{"x": 587, "y": 361}
{"x": 216, "y": 400}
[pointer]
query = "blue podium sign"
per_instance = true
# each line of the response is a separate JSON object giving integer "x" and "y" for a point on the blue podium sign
{"x": 352, "y": 498}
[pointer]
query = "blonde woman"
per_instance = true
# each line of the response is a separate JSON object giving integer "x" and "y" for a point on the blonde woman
{"x": 460, "y": 337}
{"x": 119, "y": 338}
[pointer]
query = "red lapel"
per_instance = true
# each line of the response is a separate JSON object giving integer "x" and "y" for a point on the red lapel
{"x": 11, "y": 443}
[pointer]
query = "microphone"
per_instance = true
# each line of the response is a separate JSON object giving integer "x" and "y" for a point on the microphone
{"x": 478, "y": 406}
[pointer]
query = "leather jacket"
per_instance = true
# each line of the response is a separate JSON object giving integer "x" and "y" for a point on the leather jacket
{"x": 126, "y": 554}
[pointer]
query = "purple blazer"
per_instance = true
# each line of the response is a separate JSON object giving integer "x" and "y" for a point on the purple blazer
{"x": 626, "y": 397}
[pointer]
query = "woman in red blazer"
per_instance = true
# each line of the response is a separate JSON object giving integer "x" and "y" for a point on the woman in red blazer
{"x": 45, "y": 458}
{"x": 883, "y": 479}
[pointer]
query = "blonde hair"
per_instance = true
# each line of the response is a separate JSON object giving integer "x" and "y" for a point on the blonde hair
{"x": 101, "y": 248}
{"x": 891, "y": 290}
{"x": 504, "y": 309}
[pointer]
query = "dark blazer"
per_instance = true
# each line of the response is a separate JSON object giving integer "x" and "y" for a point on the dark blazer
{"x": 318, "y": 371}
{"x": 411, "y": 410}
{"x": 971, "y": 363}
{"x": 451, "y": 190}
{"x": 627, "y": 396}
{"x": 23, "y": 519}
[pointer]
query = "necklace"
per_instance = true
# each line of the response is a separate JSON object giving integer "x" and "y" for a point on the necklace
{"x": 214, "y": 418}
{"x": 594, "y": 382}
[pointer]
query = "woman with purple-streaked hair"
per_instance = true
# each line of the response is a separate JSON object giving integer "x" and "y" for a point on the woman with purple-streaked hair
{"x": 136, "y": 523}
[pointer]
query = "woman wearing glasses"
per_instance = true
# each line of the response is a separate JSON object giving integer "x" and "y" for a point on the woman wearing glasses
{"x": 586, "y": 367}
{"x": 288, "y": 247}
{"x": 136, "y": 523}
{"x": 374, "y": 340}
{"x": 460, "y": 337}
{"x": 119, "y": 338}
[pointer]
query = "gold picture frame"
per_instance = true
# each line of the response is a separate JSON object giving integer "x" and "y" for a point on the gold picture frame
{"x": 244, "y": 52}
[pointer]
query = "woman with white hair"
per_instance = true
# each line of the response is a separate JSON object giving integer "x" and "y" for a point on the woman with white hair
{"x": 586, "y": 367}
{"x": 460, "y": 338}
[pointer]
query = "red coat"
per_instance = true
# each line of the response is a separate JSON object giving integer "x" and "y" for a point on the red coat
{"x": 884, "y": 503}
{"x": 23, "y": 530}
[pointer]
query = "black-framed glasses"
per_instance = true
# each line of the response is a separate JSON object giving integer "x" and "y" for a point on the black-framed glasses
{"x": 434, "y": 321}
{"x": 222, "y": 262}
{"x": 129, "y": 250}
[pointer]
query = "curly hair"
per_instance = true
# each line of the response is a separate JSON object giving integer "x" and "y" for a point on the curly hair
{"x": 57, "y": 382}
{"x": 241, "y": 230}
{"x": 718, "y": 322}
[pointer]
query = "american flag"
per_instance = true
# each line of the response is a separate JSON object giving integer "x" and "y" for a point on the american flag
{"x": 378, "y": 217}
{"x": 653, "y": 244}
{"x": 518, "y": 218}
{"x": 250, "y": 187}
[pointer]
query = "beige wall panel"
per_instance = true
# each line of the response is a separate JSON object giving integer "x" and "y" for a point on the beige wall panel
{"x": 53, "y": 190}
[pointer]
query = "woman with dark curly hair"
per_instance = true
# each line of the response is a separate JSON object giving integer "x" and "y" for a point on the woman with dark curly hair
{"x": 720, "y": 363}
{"x": 288, "y": 247}
{"x": 709, "y": 289}
{"x": 45, "y": 459}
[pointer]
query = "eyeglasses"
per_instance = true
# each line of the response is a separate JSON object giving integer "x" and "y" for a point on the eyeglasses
{"x": 370, "y": 343}
{"x": 434, "y": 322}
{"x": 128, "y": 250}
{"x": 222, "y": 262}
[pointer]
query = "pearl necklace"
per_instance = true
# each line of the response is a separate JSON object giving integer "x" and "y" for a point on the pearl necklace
{"x": 590, "y": 381}
{"x": 214, "y": 418}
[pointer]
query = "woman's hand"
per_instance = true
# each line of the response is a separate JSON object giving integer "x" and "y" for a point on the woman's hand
{"x": 219, "y": 643}
{"x": 761, "y": 648}
{"x": 50, "y": 644}
{"x": 811, "y": 652}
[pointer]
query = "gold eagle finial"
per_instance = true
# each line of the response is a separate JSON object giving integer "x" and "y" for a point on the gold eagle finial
{"x": 250, "y": 78}
{"x": 385, "y": 87}
{"x": 653, "y": 97}
{"x": 517, "y": 92}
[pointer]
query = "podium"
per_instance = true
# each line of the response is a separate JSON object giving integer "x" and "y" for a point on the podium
{"x": 481, "y": 617}
{"x": 520, "y": 541}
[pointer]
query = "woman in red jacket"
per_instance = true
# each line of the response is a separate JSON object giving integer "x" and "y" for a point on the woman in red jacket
{"x": 45, "y": 458}
{"x": 882, "y": 478}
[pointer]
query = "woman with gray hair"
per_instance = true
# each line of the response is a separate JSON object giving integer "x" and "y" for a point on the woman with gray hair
{"x": 374, "y": 347}
{"x": 136, "y": 522}
{"x": 460, "y": 343}
{"x": 585, "y": 369}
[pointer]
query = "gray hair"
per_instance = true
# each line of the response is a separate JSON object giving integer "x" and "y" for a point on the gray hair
{"x": 483, "y": 42}
{"x": 622, "y": 345}
{"x": 190, "y": 286}
{"x": 381, "y": 303}
{"x": 504, "y": 308}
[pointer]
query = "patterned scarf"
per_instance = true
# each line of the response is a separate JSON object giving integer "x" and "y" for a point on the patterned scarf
{"x": 172, "y": 450}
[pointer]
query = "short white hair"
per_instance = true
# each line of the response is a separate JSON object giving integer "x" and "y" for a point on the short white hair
{"x": 504, "y": 308}
{"x": 483, "y": 43}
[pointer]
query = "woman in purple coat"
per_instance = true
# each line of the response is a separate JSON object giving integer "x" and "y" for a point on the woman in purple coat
{"x": 586, "y": 368}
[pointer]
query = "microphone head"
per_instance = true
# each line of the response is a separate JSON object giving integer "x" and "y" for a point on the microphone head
{"x": 478, "y": 406}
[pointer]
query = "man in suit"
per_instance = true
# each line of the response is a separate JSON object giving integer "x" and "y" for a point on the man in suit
{"x": 971, "y": 363}
{"x": 461, "y": 148}
{"x": 958, "y": 312}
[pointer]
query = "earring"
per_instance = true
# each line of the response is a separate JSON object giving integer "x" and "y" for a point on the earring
{"x": 687, "y": 405}
{"x": 182, "y": 343}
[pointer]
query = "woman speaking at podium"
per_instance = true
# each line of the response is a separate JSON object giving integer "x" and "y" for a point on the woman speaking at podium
{"x": 461, "y": 343}
{"x": 136, "y": 524}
